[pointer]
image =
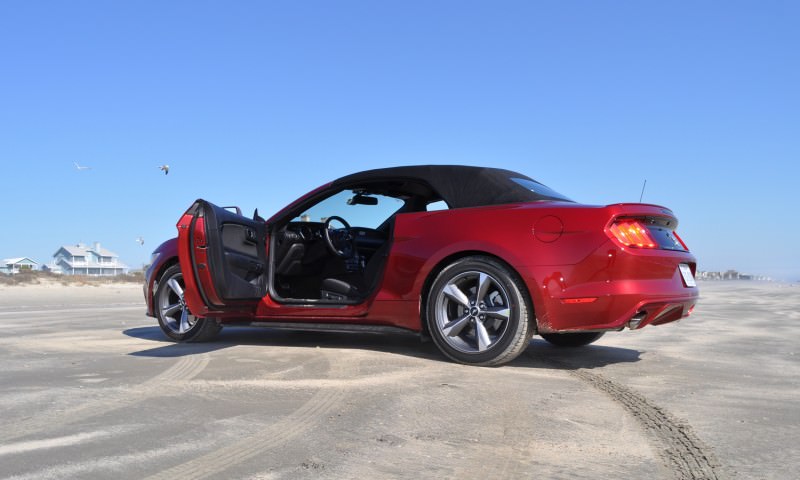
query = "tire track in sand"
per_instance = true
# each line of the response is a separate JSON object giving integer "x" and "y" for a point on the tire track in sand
{"x": 688, "y": 457}
{"x": 186, "y": 368}
{"x": 680, "y": 449}
{"x": 296, "y": 423}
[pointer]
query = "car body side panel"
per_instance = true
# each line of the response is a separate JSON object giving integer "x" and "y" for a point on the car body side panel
{"x": 425, "y": 239}
{"x": 506, "y": 232}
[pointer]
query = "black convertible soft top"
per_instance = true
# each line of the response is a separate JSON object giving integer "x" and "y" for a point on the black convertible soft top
{"x": 461, "y": 186}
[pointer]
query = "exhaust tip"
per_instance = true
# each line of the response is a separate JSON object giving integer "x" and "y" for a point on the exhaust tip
{"x": 636, "y": 320}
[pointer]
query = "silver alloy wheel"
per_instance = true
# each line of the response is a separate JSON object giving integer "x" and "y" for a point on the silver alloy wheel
{"x": 172, "y": 307}
{"x": 472, "y": 312}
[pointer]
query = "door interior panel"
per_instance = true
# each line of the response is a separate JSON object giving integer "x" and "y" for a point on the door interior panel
{"x": 236, "y": 254}
{"x": 239, "y": 238}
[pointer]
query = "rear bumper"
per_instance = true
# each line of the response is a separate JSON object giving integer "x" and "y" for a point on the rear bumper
{"x": 615, "y": 311}
{"x": 659, "y": 313}
{"x": 613, "y": 289}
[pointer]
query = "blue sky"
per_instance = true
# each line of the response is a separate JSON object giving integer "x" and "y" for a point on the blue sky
{"x": 255, "y": 103}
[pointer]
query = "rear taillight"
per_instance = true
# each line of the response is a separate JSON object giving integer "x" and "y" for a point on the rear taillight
{"x": 631, "y": 233}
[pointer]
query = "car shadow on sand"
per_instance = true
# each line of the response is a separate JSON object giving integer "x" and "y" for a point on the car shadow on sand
{"x": 539, "y": 353}
{"x": 404, "y": 344}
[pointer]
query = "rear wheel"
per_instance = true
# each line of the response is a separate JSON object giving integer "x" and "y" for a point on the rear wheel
{"x": 174, "y": 317}
{"x": 577, "y": 339}
{"x": 477, "y": 312}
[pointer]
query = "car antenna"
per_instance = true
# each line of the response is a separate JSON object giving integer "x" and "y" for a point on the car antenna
{"x": 642, "y": 195}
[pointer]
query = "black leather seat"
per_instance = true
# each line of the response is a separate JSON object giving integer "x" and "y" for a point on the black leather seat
{"x": 336, "y": 289}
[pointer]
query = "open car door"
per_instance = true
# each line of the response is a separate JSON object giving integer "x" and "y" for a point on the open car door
{"x": 223, "y": 259}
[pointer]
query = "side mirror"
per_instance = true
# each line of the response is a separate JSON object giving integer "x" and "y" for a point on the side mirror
{"x": 361, "y": 199}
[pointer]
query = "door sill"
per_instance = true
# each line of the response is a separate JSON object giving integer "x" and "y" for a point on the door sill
{"x": 328, "y": 327}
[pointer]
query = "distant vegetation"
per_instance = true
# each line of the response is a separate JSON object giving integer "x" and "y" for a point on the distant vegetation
{"x": 38, "y": 277}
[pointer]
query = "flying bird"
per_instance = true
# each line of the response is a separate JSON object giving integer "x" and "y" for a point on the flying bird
{"x": 80, "y": 167}
{"x": 140, "y": 240}
{"x": 165, "y": 169}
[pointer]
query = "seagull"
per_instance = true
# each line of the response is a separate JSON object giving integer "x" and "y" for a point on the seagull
{"x": 140, "y": 240}
{"x": 165, "y": 169}
{"x": 79, "y": 167}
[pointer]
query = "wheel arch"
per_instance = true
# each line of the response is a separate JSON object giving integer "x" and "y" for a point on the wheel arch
{"x": 453, "y": 257}
{"x": 152, "y": 282}
{"x": 163, "y": 268}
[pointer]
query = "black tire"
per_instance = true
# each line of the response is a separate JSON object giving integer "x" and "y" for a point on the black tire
{"x": 478, "y": 312}
{"x": 577, "y": 339}
{"x": 174, "y": 317}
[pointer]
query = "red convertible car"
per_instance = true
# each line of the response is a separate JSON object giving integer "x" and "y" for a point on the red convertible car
{"x": 477, "y": 259}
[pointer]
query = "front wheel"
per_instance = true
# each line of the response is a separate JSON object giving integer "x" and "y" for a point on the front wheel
{"x": 477, "y": 312}
{"x": 576, "y": 339}
{"x": 174, "y": 317}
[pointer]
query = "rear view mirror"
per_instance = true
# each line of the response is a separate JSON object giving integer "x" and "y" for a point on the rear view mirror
{"x": 360, "y": 199}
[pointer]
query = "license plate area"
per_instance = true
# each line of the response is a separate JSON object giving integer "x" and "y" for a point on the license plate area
{"x": 686, "y": 273}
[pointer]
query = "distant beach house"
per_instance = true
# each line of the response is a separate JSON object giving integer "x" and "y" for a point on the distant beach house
{"x": 81, "y": 259}
{"x": 16, "y": 265}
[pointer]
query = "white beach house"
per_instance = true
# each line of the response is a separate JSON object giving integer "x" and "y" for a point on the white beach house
{"x": 16, "y": 265}
{"x": 81, "y": 259}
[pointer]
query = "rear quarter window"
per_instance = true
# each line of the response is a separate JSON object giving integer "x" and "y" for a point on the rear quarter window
{"x": 436, "y": 206}
{"x": 540, "y": 189}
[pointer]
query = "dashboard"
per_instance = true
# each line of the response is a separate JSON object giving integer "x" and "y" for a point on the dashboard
{"x": 365, "y": 238}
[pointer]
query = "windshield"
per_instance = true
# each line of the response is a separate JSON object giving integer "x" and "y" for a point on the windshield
{"x": 341, "y": 205}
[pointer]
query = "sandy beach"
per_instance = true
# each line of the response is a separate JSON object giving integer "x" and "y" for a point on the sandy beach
{"x": 52, "y": 294}
{"x": 90, "y": 388}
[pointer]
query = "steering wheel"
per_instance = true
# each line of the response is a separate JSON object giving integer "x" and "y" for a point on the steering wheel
{"x": 339, "y": 240}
